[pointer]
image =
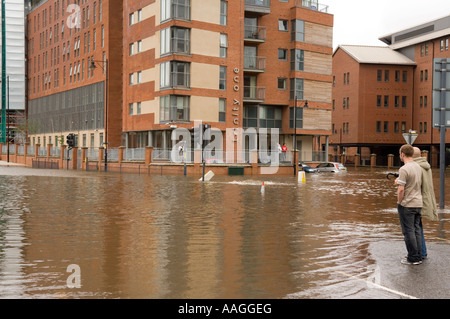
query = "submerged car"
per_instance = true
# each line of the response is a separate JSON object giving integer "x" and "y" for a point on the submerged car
{"x": 307, "y": 168}
{"x": 331, "y": 167}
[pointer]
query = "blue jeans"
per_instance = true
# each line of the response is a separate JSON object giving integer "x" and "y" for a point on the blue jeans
{"x": 424, "y": 247}
{"x": 410, "y": 220}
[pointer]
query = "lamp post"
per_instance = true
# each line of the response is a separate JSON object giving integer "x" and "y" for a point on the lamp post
{"x": 7, "y": 117}
{"x": 105, "y": 67}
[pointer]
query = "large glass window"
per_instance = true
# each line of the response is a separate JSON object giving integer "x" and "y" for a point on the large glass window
{"x": 298, "y": 30}
{"x": 297, "y": 60}
{"x": 174, "y": 74}
{"x": 175, "y": 40}
{"x": 175, "y": 9}
{"x": 174, "y": 108}
{"x": 299, "y": 115}
{"x": 296, "y": 89}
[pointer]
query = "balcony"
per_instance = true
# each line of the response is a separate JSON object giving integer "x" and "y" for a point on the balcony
{"x": 254, "y": 94}
{"x": 254, "y": 64}
{"x": 260, "y": 7}
{"x": 255, "y": 34}
{"x": 311, "y": 5}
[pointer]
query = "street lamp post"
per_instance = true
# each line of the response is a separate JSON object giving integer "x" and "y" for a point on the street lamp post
{"x": 7, "y": 117}
{"x": 105, "y": 68}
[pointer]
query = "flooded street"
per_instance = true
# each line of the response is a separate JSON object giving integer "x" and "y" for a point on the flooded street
{"x": 151, "y": 236}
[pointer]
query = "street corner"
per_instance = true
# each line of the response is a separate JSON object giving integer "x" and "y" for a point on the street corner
{"x": 422, "y": 281}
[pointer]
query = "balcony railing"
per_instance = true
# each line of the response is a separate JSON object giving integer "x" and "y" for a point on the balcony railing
{"x": 312, "y": 5}
{"x": 255, "y": 33}
{"x": 258, "y": 6}
{"x": 254, "y": 63}
{"x": 254, "y": 93}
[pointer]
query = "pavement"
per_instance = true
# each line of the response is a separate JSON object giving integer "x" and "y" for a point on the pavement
{"x": 430, "y": 280}
{"x": 5, "y": 163}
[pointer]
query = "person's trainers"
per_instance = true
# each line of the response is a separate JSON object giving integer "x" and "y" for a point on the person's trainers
{"x": 405, "y": 261}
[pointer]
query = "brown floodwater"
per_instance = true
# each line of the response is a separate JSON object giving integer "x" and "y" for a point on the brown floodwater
{"x": 152, "y": 236}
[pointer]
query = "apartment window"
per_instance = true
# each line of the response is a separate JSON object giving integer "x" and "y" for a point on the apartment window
{"x": 130, "y": 109}
{"x": 94, "y": 42}
{"x": 174, "y": 108}
{"x": 139, "y": 15}
{"x": 405, "y": 76}
{"x": 103, "y": 36}
{"x": 138, "y": 108}
{"x": 403, "y": 127}
{"x": 299, "y": 117}
{"x": 386, "y": 127}
{"x": 379, "y": 75}
{"x": 386, "y": 101}
{"x": 296, "y": 89}
{"x": 282, "y": 83}
{"x": 425, "y": 101}
{"x": 442, "y": 45}
{"x": 222, "y": 110}
{"x": 175, "y": 9}
{"x": 397, "y": 76}
{"x": 223, "y": 12}
{"x": 396, "y": 127}
{"x": 397, "y": 101}
{"x": 378, "y": 100}
{"x": 250, "y": 116}
{"x": 131, "y": 78}
{"x": 175, "y": 74}
{"x": 282, "y": 25}
{"x": 131, "y": 18}
{"x": 139, "y": 77}
{"x": 223, "y": 45}
{"x": 386, "y": 75}
{"x": 270, "y": 117}
{"x": 378, "y": 126}
{"x": 175, "y": 40}
{"x": 298, "y": 30}
{"x": 131, "y": 49}
{"x": 403, "y": 101}
{"x": 223, "y": 78}
{"x": 297, "y": 60}
{"x": 282, "y": 54}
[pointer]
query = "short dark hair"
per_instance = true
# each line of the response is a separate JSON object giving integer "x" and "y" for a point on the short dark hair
{"x": 407, "y": 149}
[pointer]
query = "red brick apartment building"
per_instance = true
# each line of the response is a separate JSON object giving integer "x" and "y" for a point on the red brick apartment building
{"x": 64, "y": 95}
{"x": 379, "y": 93}
{"x": 230, "y": 64}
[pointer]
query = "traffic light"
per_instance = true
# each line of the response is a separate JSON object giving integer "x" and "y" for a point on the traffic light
{"x": 71, "y": 140}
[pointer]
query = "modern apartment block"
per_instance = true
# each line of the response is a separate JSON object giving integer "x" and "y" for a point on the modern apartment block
{"x": 173, "y": 63}
{"x": 13, "y": 69}
{"x": 65, "y": 94}
{"x": 379, "y": 93}
{"x": 230, "y": 64}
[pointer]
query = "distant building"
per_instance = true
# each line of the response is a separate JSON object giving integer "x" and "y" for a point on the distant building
{"x": 379, "y": 93}
{"x": 14, "y": 52}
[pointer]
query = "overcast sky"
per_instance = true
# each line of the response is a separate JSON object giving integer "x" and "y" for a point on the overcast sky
{"x": 364, "y": 21}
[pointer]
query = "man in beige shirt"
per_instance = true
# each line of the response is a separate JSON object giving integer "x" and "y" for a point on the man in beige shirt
{"x": 409, "y": 204}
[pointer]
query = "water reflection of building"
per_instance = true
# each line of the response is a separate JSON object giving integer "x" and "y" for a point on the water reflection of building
{"x": 381, "y": 92}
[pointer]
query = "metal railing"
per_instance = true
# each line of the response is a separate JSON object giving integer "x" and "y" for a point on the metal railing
{"x": 255, "y": 33}
{"x": 312, "y": 5}
{"x": 134, "y": 154}
{"x": 256, "y": 93}
{"x": 256, "y": 63}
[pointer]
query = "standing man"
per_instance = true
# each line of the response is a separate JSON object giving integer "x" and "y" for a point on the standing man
{"x": 409, "y": 204}
{"x": 429, "y": 208}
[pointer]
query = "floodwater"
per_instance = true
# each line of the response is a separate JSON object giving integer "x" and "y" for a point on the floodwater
{"x": 152, "y": 236}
